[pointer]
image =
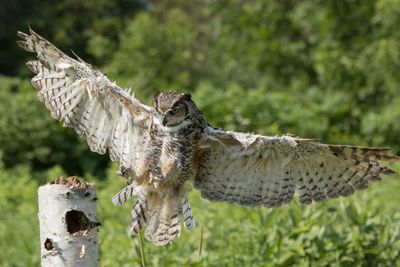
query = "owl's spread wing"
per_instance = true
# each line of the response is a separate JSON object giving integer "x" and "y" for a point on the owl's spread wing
{"x": 255, "y": 170}
{"x": 107, "y": 116}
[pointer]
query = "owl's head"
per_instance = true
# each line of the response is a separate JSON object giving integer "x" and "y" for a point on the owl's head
{"x": 173, "y": 108}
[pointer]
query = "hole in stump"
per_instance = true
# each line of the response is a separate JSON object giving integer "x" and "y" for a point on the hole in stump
{"x": 77, "y": 221}
{"x": 48, "y": 244}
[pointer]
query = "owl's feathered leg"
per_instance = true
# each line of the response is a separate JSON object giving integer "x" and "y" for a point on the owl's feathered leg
{"x": 155, "y": 176}
{"x": 160, "y": 175}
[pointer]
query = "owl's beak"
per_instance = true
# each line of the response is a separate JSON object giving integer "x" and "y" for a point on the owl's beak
{"x": 165, "y": 119}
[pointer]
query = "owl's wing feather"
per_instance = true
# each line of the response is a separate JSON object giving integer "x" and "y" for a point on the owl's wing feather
{"x": 255, "y": 170}
{"x": 107, "y": 116}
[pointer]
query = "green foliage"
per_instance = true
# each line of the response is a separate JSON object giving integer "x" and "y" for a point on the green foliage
{"x": 19, "y": 228}
{"x": 73, "y": 24}
{"x": 155, "y": 56}
{"x": 320, "y": 69}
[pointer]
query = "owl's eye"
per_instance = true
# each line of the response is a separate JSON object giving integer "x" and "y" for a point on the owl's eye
{"x": 174, "y": 110}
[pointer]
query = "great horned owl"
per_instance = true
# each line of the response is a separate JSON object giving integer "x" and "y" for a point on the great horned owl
{"x": 160, "y": 147}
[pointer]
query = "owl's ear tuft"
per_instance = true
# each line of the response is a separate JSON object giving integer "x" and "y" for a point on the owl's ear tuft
{"x": 186, "y": 97}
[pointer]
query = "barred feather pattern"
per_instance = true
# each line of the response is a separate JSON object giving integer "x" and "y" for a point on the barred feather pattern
{"x": 139, "y": 209}
{"x": 256, "y": 170}
{"x": 128, "y": 192}
{"x": 107, "y": 116}
{"x": 163, "y": 218}
{"x": 159, "y": 212}
{"x": 187, "y": 213}
{"x": 138, "y": 220}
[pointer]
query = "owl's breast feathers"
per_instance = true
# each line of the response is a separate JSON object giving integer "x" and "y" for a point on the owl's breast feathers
{"x": 177, "y": 148}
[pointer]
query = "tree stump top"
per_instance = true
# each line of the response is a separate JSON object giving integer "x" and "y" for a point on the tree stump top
{"x": 73, "y": 182}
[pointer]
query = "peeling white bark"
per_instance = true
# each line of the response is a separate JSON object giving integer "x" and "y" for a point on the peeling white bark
{"x": 68, "y": 225}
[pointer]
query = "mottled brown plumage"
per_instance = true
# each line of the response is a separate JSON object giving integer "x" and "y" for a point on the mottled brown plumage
{"x": 159, "y": 148}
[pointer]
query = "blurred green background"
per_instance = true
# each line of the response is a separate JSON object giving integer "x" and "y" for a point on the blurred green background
{"x": 318, "y": 69}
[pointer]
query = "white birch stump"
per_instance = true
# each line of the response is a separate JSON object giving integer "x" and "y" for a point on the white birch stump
{"x": 68, "y": 224}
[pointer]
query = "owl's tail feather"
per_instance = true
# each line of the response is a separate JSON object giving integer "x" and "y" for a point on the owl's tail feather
{"x": 138, "y": 212}
{"x": 163, "y": 217}
{"x": 128, "y": 192}
{"x": 187, "y": 214}
{"x": 159, "y": 212}
{"x": 138, "y": 220}
{"x": 163, "y": 224}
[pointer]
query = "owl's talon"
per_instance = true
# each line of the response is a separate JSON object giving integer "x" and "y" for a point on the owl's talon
{"x": 151, "y": 167}
{"x": 154, "y": 170}
{"x": 155, "y": 178}
{"x": 155, "y": 175}
{"x": 122, "y": 170}
{"x": 157, "y": 172}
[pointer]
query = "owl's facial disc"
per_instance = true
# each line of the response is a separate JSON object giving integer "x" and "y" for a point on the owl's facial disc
{"x": 176, "y": 115}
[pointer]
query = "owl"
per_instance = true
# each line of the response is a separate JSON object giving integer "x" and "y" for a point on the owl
{"x": 160, "y": 147}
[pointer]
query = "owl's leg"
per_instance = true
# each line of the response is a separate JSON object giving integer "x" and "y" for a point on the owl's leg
{"x": 140, "y": 174}
{"x": 164, "y": 173}
{"x": 169, "y": 169}
{"x": 128, "y": 174}
{"x": 155, "y": 174}
{"x": 122, "y": 170}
